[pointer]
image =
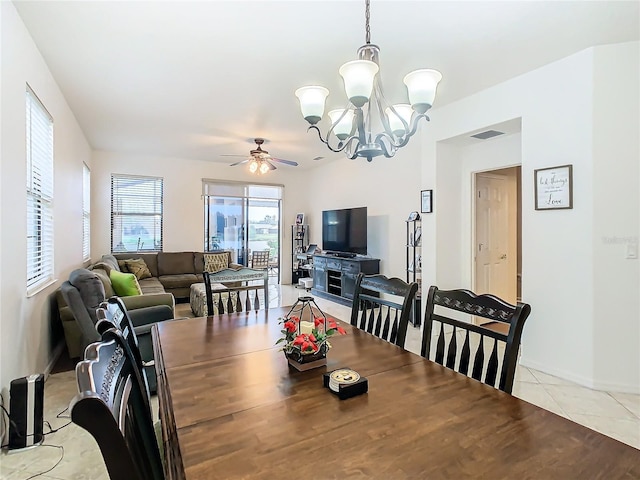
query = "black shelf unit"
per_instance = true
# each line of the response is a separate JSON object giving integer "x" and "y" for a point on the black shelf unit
{"x": 301, "y": 266}
{"x": 414, "y": 266}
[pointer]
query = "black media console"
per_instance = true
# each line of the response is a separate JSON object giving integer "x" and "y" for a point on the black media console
{"x": 334, "y": 277}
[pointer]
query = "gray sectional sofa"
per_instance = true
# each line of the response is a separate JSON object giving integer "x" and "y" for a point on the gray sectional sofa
{"x": 172, "y": 274}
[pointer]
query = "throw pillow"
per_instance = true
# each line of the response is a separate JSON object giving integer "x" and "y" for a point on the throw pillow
{"x": 123, "y": 266}
{"x": 125, "y": 284}
{"x": 138, "y": 267}
{"x": 214, "y": 262}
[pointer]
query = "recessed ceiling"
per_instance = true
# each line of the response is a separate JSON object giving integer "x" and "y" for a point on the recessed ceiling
{"x": 201, "y": 79}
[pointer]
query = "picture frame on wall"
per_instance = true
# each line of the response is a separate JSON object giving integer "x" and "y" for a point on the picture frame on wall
{"x": 554, "y": 188}
{"x": 426, "y": 201}
{"x": 299, "y": 218}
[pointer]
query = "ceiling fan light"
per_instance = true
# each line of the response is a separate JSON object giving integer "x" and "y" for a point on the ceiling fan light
{"x": 344, "y": 125}
{"x": 264, "y": 168}
{"x": 421, "y": 86}
{"x": 312, "y": 100}
{"x": 405, "y": 111}
{"x": 358, "y": 78}
{"x": 253, "y": 166}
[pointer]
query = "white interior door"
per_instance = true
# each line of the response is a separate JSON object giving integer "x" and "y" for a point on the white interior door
{"x": 496, "y": 236}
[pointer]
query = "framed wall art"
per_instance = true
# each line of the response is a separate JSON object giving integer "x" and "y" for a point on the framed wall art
{"x": 426, "y": 201}
{"x": 554, "y": 187}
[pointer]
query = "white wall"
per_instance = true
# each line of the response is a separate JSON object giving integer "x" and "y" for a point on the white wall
{"x": 616, "y": 155}
{"x": 183, "y": 220}
{"x": 388, "y": 187}
{"x": 26, "y": 341}
{"x": 560, "y": 105}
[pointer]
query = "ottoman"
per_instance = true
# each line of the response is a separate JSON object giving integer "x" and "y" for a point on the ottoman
{"x": 198, "y": 298}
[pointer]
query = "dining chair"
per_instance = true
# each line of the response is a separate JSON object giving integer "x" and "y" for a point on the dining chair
{"x": 111, "y": 407}
{"x": 505, "y": 326}
{"x": 260, "y": 259}
{"x": 222, "y": 299}
{"x": 112, "y": 314}
{"x": 382, "y": 306}
{"x": 116, "y": 310}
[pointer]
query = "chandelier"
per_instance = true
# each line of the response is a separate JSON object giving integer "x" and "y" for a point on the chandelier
{"x": 351, "y": 128}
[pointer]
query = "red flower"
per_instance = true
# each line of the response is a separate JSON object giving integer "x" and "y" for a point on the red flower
{"x": 294, "y": 319}
{"x": 318, "y": 321}
{"x": 300, "y": 339}
{"x": 332, "y": 323}
{"x": 341, "y": 331}
{"x": 290, "y": 326}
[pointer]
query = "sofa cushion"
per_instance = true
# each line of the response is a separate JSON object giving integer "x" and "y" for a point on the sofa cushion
{"x": 198, "y": 259}
{"x": 175, "y": 263}
{"x": 105, "y": 278}
{"x": 151, "y": 259}
{"x": 90, "y": 288}
{"x": 214, "y": 262}
{"x": 177, "y": 281}
{"x": 111, "y": 261}
{"x": 125, "y": 284}
{"x": 138, "y": 267}
{"x": 151, "y": 285}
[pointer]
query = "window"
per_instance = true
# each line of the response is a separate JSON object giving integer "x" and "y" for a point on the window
{"x": 136, "y": 213}
{"x": 86, "y": 212}
{"x": 39, "y": 138}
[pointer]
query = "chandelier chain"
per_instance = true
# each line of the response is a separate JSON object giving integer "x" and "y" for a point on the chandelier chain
{"x": 366, "y": 17}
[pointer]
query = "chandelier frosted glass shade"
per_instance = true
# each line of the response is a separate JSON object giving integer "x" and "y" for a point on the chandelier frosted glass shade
{"x": 312, "y": 100}
{"x": 358, "y": 78}
{"x": 421, "y": 86}
{"x": 404, "y": 112}
{"x": 343, "y": 123}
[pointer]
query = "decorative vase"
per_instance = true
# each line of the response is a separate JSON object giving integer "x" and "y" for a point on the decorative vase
{"x": 306, "y": 362}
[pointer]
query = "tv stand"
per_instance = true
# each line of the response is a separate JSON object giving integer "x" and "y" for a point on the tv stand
{"x": 334, "y": 277}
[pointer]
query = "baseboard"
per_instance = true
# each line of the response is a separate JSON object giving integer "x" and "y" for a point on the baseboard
{"x": 55, "y": 355}
{"x": 580, "y": 380}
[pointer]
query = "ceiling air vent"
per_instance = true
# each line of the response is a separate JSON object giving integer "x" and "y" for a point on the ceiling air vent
{"x": 487, "y": 134}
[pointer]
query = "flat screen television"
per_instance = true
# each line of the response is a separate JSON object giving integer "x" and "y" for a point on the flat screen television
{"x": 345, "y": 231}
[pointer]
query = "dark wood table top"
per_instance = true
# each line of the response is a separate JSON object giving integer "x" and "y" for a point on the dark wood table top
{"x": 239, "y": 411}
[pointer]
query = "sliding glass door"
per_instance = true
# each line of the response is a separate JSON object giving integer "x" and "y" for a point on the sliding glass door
{"x": 243, "y": 218}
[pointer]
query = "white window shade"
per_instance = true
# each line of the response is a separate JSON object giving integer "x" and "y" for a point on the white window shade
{"x": 136, "y": 213}
{"x": 241, "y": 190}
{"x": 39, "y": 149}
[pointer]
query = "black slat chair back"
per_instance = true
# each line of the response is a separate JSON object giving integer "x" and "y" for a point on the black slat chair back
{"x": 462, "y": 360}
{"x": 112, "y": 314}
{"x": 111, "y": 407}
{"x": 236, "y": 299}
{"x": 382, "y": 306}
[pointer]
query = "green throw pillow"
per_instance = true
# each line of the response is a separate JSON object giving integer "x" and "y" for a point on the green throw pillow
{"x": 124, "y": 284}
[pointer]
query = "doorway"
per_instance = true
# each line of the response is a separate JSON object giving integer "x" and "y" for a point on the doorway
{"x": 497, "y": 258}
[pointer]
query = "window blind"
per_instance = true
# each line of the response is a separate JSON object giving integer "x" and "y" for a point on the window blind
{"x": 215, "y": 188}
{"x": 136, "y": 213}
{"x": 86, "y": 212}
{"x": 39, "y": 149}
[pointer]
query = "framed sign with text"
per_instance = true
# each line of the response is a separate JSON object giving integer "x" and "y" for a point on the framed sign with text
{"x": 426, "y": 201}
{"x": 554, "y": 187}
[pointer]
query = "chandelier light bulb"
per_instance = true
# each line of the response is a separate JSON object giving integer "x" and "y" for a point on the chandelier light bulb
{"x": 358, "y": 78}
{"x": 253, "y": 166}
{"x": 421, "y": 86}
{"x": 264, "y": 168}
{"x": 343, "y": 125}
{"x": 312, "y": 100}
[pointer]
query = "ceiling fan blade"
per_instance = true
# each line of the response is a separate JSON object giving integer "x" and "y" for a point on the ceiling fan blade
{"x": 271, "y": 165}
{"x": 239, "y": 163}
{"x": 231, "y": 155}
{"x": 286, "y": 162}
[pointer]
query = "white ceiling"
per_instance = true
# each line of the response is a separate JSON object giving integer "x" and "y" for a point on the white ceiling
{"x": 200, "y": 79}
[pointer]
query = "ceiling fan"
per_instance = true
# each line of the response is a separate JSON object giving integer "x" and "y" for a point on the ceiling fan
{"x": 259, "y": 160}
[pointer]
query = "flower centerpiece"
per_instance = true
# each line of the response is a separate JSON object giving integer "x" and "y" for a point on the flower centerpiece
{"x": 306, "y": 334}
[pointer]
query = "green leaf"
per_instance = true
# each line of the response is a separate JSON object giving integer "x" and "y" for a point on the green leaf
{"x": 280, "y": 340}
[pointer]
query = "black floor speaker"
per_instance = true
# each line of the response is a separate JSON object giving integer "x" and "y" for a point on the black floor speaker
{"x": 26, "y": 404}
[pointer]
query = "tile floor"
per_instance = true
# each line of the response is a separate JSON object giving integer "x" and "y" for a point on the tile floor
{"x": 614, "y": 414}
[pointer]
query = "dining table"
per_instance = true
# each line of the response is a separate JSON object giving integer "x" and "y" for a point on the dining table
{"x": 231, "y": 407}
